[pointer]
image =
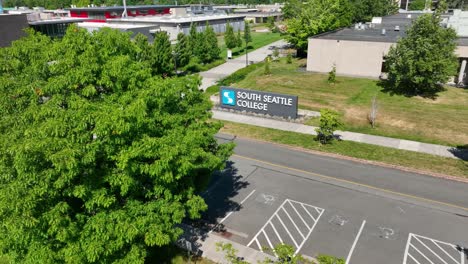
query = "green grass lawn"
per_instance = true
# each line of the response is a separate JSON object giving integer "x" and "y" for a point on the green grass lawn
{"x": 440, "y": 121}
{"x": 259, "y": 39}
{"x": 409, "y": 159}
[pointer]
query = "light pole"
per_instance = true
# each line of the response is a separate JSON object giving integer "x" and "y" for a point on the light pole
{"x": 246, "y": 54}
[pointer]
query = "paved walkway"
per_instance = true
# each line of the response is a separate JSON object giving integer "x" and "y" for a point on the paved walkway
{"x": 205, "y": 244}
{"x": 433, "y": 149}
{"x": 217, "y": 73}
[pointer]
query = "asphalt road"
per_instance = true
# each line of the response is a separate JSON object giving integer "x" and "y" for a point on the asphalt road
{"x": 367, "y": 214}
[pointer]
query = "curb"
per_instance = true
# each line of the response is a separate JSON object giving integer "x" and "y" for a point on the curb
{"x": 362, "y": 161}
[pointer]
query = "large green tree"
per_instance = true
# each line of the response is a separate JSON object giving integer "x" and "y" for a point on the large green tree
{"x": 291, "y": 8}
{"x": 364, "y": 10}
{"x": 423, "y": 60}
{"x": 100, "y": 159}
{"x": 317, "y": 16}
{"x": 419, "y": 4}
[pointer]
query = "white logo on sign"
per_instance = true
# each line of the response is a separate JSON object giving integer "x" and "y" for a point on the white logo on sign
{"x": 226, "y": 94}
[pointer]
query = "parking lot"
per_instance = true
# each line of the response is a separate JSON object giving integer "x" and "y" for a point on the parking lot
{"x": 260, "y": 206}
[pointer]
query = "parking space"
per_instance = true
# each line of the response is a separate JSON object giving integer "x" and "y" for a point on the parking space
{"x": 421, "y": 249}
{"x": 292, "y": 223}
{"x": 280, "y": 206}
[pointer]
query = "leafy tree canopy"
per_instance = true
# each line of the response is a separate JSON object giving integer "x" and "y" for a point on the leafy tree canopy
{"x": 291, "y": 8}
{"x": 364, "y": 10}
{"x": 100, "y": 159}
{"x": 418, "y": 4}
{"x": 318, "y": 16}
{"x": 423, "y": 60}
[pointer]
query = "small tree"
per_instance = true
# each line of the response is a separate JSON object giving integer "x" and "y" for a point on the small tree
{"x": 247, "y": 34}
{"x": 163, "y": 60}
{"x": 230, "y": 253}
{"x": 239, "y": 39}
{"x": 373, "y": 112}
{"x": 247, "y": 39}
{"x": 193, "y": 38}
{"x": 271, "y": 24}
{"x": 289, "y": 58}
{"x": 211, "y": 44}
{"x": 229, "y": 38}
{"x": 144, "y": 52}
{"x": 182, "y": 50}
{"x": 329, "y": 122}
{"x": 267, "y": 70}
{"x": 276, "y": 54}
{"x": 423, "y": 60}
{"x": 332, "y": 75}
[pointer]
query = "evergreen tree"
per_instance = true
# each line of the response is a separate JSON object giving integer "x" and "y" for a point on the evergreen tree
{"x": 211, "y": 43}
{"x": 182, "y": 50}
{"x": 163, "y": 59}
{"x": 144, "y": 53}
{"x": 229, "y": 37}
{"x": 239, "y": 39}
{"x": 423, "y": 60}
{"x": 247, "y": 34}
{"x": 193, "y": 38}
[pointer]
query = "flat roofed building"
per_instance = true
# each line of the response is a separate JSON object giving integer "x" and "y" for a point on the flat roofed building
{"x": 174, "y": 25}
{"x": 102, "y": 14}
{"x": 134, "y": 28}
{"x": 361, "y": 50}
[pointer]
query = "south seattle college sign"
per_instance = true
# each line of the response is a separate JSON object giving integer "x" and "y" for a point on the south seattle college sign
{"x": 258, "y": 102}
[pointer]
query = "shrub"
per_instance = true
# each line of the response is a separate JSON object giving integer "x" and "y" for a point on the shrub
{"x": 332, "y": 75}
{"x": 289, "y": 58}
{"x": 238, "y": 75}
{"x": 329, "y": 122}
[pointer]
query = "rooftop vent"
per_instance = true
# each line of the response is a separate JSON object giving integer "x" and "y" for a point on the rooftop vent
{"x": 359, "y": 26}
{"x": 397, "y": 28}
{"x": 383, "y": 32}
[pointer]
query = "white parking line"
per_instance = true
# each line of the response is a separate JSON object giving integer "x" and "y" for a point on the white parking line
{"x": 308, "y": 212}
{"x": 287, "y": 231}
{"x": 417, "y": 242}
{"x": 276, "y": 232}
{"x": 230, "y": 213}
{"x": 298, "y": 239}
{"x": 303, "y": 221}
{"x": 297, "y": 228}
{"x": 355, "y": 242}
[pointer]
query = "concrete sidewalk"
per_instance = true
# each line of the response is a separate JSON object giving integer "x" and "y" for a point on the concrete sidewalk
{"x": 438, "y": 150}
{"x": 217, "y": 73}
{"x": 204, "y": 243}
